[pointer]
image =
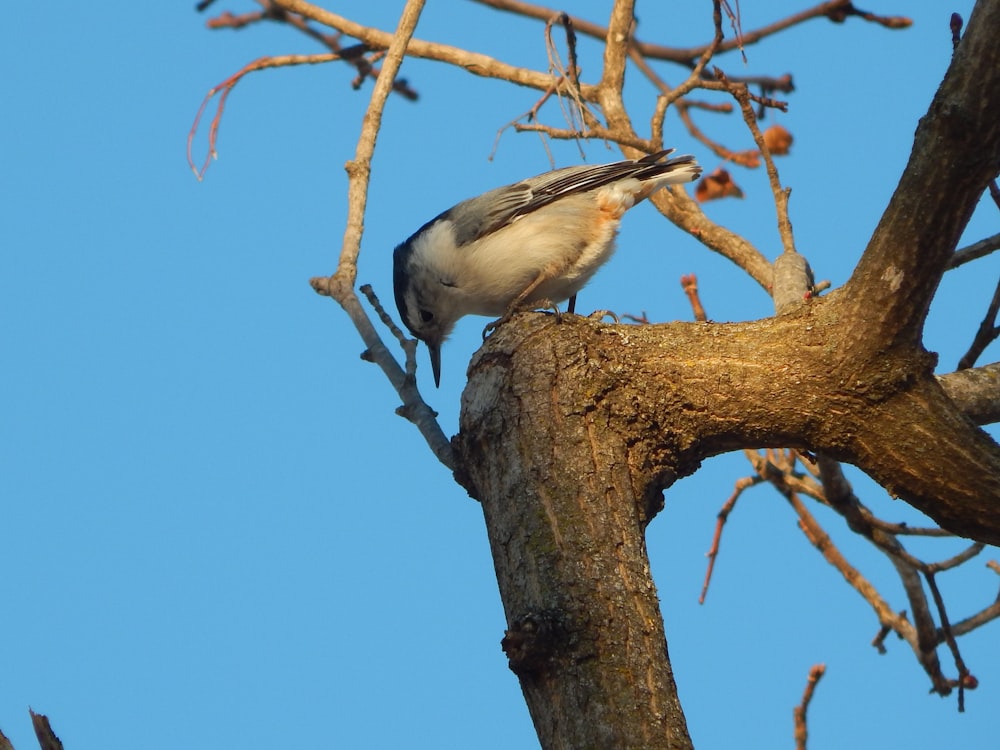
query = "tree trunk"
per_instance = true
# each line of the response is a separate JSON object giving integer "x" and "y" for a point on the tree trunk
{"x": 571, "y": 430}
{"x": 567, "y": 498}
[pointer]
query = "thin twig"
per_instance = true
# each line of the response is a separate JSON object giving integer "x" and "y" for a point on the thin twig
{"x": 340, "y": 286}
{"x": 471, "y": 62}
{"x": 743, "y": 96}
{"x": 727, "y": 508}
{"x": 226, "y": 88}
{"x": 949, "y": 637}
{"x": 976, "y": 250}
{"x": 986, "y": 334}
{"x": 801, "y": 725}
{"x": 689, "y": 282}
{"x": 687, "y": 56}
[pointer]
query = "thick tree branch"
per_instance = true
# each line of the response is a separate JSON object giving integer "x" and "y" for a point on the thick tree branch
{"x": 792, "y": 381}
{"x": 956, "y": 153}
{"x": 976, "y": 392}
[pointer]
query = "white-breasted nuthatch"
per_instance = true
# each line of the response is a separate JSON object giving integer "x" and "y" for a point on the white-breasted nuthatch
{"x": 538, "y": 241}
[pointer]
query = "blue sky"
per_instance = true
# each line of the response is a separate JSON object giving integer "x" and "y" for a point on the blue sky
{"x": 217, "y": 532}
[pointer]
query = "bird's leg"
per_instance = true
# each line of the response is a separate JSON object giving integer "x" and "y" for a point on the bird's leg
{"x": 518, "y": 304}
{"x": 571, "y": 305}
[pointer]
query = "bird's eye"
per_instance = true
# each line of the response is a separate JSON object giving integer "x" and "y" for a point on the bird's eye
{"x": 426, "y": 315}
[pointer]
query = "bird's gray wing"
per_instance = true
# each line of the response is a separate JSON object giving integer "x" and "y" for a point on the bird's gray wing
{"x": 491, "y": 211}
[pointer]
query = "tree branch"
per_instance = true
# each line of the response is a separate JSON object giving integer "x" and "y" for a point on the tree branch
{"x": 477, "y": 64}
{"x": 956, "y": 153}
{"x": 975, "y": 392}
{"x": 794, "y": 372}
{"x": 340, "y": 286}
{"x": 976, "y": 250}
{"x": 687, "y": 56}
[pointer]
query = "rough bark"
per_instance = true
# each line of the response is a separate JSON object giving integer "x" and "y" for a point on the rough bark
{"x": 567, "y": 497}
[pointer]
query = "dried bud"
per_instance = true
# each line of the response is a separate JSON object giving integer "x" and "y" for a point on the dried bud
{"x": 717, "y": 185}
{"x": 897, "y": 22}
{"x": 778, "y": 140}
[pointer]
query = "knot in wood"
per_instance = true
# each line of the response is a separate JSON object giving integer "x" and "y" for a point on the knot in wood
{"x": 531, "y": 641}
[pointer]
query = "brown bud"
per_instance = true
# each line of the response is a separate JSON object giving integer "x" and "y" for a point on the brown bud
{"x": 778, "y": 140}
{"x": 717, "y": 185}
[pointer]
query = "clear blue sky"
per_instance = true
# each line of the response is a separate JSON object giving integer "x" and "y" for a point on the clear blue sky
{"x": 216, "y": 533}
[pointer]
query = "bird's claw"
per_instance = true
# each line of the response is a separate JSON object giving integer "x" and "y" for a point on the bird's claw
{"x": 493, "y": 325}
{"x": 600, "y": 315}
{"x": 542, "y": 304}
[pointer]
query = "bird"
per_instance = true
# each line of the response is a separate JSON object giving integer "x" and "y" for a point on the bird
{"x": 530, "y": 244}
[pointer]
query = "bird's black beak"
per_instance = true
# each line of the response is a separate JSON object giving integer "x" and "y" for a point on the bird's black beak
{"x": 435, "y": 350}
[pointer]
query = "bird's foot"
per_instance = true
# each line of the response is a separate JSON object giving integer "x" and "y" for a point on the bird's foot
{"x": 600, "y": 315}
{"x": 542, "y": 304}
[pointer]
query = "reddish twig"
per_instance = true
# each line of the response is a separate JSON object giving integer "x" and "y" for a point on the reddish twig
{"x": 749, "y": 158}
{"x": 727, "y": 508}
{"x": 689, "y": 283}
{"x": 228, "y": 20}
{"x": 226, "y": 88}
{"x": 799, "y": 713}
{"x": 642, "y": 319}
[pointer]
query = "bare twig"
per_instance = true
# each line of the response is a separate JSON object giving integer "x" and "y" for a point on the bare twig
{"x": 801, "y": 725}
{"x": 922, "y": 634}
{"x": 743, "y": 96}
{"x": 963, "y": 671}
{"x": 727, "y": 508}
{"x": 846, "y": 9}
{"x": 687, "y": 56}
{"x": 226, "y": 88}
{"x": 471, "y": 62}
{"x": 354, "y": 55}
{"x": 340, "y": 286}
{"x": 595, "y": 133}
{"x": 976, "y": 250}
{"x": 689, "y": 283}
{"x": 986, "y": 334}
